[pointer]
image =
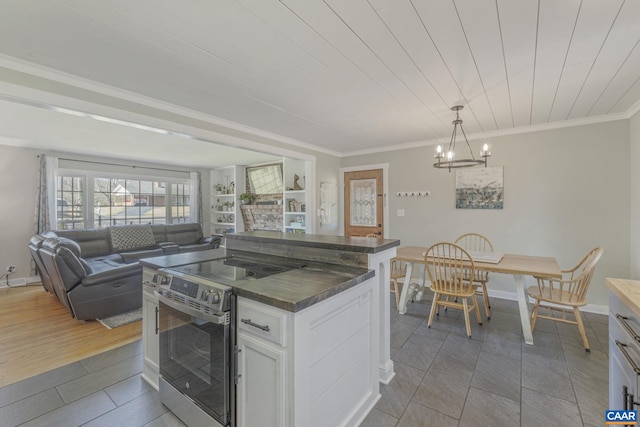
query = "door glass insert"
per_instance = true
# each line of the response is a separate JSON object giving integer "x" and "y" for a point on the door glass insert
{"x": 363, "y": 202}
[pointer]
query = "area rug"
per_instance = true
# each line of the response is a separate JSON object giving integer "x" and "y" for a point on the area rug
{"x": 121, "y": 319}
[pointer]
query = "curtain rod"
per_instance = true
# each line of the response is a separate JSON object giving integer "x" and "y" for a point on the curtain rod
{"x": 128, "y": 166}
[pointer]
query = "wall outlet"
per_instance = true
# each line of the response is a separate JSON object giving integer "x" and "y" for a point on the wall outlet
{"x": 11, "y": 269}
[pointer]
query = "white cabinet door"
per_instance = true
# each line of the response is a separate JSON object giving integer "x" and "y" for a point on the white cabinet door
{"x": 150, "y": 339}
{"x": 261, "y": 386}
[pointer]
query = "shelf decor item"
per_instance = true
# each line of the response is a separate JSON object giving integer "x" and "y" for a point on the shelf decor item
{"x": 247, "y": 198}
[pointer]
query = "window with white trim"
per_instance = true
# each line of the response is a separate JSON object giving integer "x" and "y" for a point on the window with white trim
{"x": 69, "y": 205}
{"x": 119, "y": 200}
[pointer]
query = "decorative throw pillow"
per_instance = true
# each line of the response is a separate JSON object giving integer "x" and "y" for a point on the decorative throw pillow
{"x": 128, "y": 237}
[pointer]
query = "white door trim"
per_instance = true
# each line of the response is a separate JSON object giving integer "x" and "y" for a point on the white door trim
{"x": 385, "y": 192}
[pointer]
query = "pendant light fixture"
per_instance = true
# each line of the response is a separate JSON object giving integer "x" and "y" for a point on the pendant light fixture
{"x": 449, "y": 160}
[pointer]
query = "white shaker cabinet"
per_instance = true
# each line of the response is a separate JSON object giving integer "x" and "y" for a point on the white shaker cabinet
{"x": 150, "y": 338}
{"x": 624, "y": 343}
{"x": 315, "y": 367}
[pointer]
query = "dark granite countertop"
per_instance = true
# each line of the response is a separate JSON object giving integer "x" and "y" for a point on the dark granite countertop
{"x": 341, "y": 243}
{"x": 292, "y": 290}
{"x": 185, "y": 258}
{"x": 295, "y": 290}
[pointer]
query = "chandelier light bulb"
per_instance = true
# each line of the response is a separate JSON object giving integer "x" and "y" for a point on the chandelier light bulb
{"x": 450, "y": 155}
{"x": 485, "y": 147}
{"x": 439, "y": 149}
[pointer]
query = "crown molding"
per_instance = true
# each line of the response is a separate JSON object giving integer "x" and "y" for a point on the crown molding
{"x": 95, "y": 88}
{"x": 506, "y": 132}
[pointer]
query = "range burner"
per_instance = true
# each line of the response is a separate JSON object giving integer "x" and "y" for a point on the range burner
{"x": 232, "y": 269}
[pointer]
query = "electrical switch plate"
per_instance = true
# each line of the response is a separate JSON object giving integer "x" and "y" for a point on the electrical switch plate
{"x": 400, "y": 212}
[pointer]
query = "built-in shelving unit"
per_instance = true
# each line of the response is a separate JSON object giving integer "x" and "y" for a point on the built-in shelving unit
{"x": 295, "y": 196}
{"x": 226, "y": 185}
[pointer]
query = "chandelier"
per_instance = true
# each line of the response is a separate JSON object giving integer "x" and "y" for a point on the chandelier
{"x": 447, "y": 160}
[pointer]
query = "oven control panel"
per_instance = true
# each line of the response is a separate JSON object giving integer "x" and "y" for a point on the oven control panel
{"x": 184, "y": 287}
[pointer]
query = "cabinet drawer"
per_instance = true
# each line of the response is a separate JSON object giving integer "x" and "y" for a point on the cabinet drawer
{"x": 624, "y": 322}
{"x": 262, "y": 321}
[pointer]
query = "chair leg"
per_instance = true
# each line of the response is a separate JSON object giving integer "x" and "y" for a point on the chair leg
{"x": 485, "y": 298}
{"x": 534, "y": 315}
{"x": 465, "y": 308}
{"x": 583, "y": 333}
{"x": 434, "y": 304}
{"x": 475, "y": 306}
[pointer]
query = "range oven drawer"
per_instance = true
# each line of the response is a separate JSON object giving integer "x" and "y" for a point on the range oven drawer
{"x": 262, "y": 321}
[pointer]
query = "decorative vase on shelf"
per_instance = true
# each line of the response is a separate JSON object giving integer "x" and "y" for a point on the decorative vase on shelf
{"x": 247, "y": 198}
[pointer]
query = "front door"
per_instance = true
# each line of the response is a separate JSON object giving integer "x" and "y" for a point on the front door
{"x": 363, "y": 203}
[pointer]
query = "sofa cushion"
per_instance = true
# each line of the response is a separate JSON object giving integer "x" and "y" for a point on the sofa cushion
{"x": 134, "y": 256}
{"x": 93, "y": 242}
{"x": 184, "y": 234}
{"x": 72, "y": 261}
{"x": 71, "y": 245}
{"x": 129, "y": 237}
{"x": 159, "y": 232}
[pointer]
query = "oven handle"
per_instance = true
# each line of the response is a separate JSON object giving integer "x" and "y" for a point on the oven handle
{"x": 217, "y": 320}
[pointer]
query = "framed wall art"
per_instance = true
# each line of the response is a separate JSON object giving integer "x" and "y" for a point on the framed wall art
{"x": 480, "y": 188}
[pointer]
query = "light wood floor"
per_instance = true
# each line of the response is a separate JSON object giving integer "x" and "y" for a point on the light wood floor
{"x": 38, "y": 334}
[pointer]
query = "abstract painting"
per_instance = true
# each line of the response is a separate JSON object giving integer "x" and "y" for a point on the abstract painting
{"x": 480, "y": 188}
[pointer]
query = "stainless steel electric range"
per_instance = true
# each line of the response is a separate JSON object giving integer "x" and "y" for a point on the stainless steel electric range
{"x": 198, "y": 355}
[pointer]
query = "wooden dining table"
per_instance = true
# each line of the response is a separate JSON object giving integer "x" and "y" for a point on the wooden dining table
{"x": 516, "y": 265}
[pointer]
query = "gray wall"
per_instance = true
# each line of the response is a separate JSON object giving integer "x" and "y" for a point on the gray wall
{"x": 566, "y": 191}
{"x": 18, "y": 180}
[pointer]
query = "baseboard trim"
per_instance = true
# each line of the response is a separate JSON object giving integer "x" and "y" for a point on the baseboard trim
{"x": 19, "y": 281}
{"x": 512, "y": 296}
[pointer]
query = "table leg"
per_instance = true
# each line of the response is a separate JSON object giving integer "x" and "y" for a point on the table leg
{"x": 404, "y": 295}
{"x": 523, "y": 304}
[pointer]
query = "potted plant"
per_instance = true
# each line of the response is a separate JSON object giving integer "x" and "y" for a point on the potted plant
{"x": 247, "y": 198}
{"x": 218, "y": 188}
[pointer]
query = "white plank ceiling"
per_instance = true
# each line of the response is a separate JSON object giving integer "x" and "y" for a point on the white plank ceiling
{"x": 347, "y": 75}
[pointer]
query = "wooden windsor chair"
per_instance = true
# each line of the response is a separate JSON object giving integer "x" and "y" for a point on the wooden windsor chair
{"x": 449, "y": 268}
{"x": 565, "y": 295}
{"x": 478, "y": 243}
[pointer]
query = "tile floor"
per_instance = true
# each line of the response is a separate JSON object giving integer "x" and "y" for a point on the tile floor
{"x": 442, "y": 378}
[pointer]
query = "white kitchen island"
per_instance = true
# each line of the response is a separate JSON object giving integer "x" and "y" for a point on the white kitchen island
{"x": 309, "y": 339}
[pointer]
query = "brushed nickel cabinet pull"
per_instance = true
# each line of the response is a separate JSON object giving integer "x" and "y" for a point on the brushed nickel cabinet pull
{"x": 628, "y": 327}
{"x": 255, "y": 325}
{"x": 626, "y": 355}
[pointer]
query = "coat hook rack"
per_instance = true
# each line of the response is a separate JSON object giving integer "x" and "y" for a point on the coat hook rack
{"x": 413, "y": 193}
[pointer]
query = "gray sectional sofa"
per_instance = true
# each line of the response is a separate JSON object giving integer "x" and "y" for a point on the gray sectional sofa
{"x": 95, "y": 273}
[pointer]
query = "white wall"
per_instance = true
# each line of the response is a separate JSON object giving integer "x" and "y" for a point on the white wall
{"x": 566, "y": 191}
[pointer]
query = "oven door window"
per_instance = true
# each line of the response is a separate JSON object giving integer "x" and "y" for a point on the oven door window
{"x": 194, "y": 359}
